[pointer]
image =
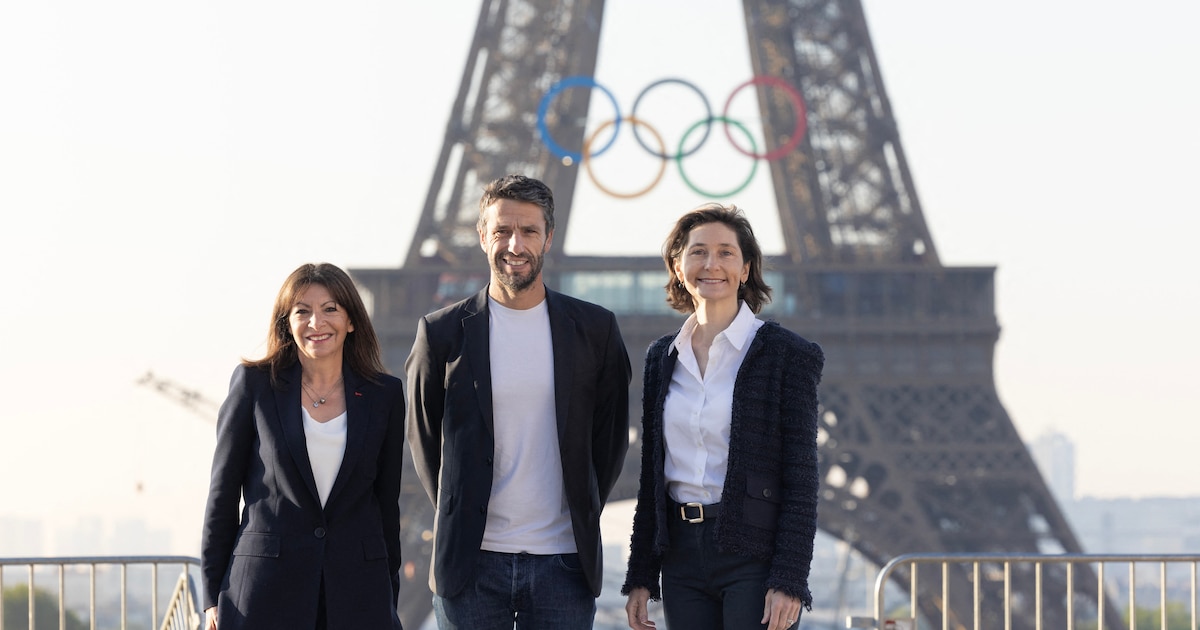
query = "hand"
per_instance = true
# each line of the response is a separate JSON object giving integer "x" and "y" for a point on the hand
{"x": 210, "y": 618}
{"x": 636, "y": 609}
{"x": 780, "y": 610}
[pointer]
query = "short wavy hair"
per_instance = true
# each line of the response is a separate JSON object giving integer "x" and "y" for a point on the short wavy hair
{"x": 754, "y": 292}
{"x": 518, "y": 188}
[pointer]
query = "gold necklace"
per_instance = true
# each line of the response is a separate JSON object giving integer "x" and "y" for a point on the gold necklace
{"x": 317, "y": 401}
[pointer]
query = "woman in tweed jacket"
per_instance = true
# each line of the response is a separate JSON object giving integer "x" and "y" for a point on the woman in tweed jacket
{"x": 727, "y": 507}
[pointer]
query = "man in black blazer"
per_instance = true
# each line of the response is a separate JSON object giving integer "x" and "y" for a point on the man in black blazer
{"x": 518, "y": 425}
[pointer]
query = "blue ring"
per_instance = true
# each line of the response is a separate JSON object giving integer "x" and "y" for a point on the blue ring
{"x": 544, "y": 107}
{"x": 708, "y": 114}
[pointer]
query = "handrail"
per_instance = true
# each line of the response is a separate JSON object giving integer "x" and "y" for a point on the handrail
{"x": 1007, "y": 560}
{"x": 183, "y": 609}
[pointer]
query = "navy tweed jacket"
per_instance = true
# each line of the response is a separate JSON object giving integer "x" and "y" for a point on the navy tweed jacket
{"x": 769, "y": 500}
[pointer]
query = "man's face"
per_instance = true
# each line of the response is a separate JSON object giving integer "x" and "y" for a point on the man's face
{"x": 515, "y": 240}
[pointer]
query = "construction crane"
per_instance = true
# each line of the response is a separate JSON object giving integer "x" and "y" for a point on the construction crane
{"x": 191, "y": 399}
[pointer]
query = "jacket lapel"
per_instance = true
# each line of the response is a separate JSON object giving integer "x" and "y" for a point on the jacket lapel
{"x": 287, "y": 401}
{"x": 358, "y": 421}
{"x": 562, "y": 332}
{"x": 476, "y": 349}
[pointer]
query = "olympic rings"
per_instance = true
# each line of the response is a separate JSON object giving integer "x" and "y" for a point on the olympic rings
{"x": 568, "y": 157}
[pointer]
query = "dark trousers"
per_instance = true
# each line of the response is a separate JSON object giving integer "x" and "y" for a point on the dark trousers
{"x": 704, "y": 589}
{"x": 522, "y": 591}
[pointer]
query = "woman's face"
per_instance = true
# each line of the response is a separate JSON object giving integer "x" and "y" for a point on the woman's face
{"x": 711, "y": 267}
{"x": 319, "y": 324}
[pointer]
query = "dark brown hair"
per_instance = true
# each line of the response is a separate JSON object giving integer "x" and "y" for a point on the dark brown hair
{"x": 361, "y": 350}
{"x": 519, "y": 188}
{"x": 754, "y": 292}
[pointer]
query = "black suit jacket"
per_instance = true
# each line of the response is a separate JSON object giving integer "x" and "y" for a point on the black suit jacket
{"x": 264, "y": 569}
{"x": 451, "y": 435}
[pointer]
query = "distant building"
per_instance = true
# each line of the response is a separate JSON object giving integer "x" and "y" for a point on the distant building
{"x": 1149, "y": 525}
{"x": 1055, "y": 457}
{"x": 84, "y": 538}
{"x": 1138, "y": 526}
{"x": 22, "y": 537}
{"x": 134, "y": 537}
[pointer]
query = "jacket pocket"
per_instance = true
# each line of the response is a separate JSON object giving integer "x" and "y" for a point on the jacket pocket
{"x": 763, "y": 498}
{"x": 374, "y": 548}
{"x": 254, "y": 544}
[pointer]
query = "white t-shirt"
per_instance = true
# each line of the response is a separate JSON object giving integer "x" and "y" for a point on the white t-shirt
{"x": 528, "y": 510}
{"x": 326, "y": 447}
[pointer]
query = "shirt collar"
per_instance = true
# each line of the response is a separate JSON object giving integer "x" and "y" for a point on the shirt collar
{"x": 742, "y": 328}
{"x": 738, "y": 333}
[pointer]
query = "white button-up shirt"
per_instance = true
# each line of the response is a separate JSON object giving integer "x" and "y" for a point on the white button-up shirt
{"x": 698, "y": 409}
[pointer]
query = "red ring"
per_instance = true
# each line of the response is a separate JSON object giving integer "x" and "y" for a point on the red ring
{"x": 798, "y": 106}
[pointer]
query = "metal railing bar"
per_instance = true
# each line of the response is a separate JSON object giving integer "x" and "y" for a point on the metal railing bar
{"x": 1132, "y": 594}
{"x": 978, "y": 594}
{"x": 62, "y": 597}
{"x": 1007, "y": 595}
{"x": 1061, "y": 558}
{"x": 1194, "y": 616}
{"x": 124, "y": 611}
{"x": 912, "y": 602}
{"x": 945, "y": 596}
{"x": 154, "y": 592}
{"x": 913, "y": 561}
{"x": 32, "y": 618}
{"x": 100, "y": 560}
{"x": 1162, "y": 595}
{"x": 92, "y": 593}
{"x": 92, "y": 565}
{"x": 1070, "y": 596}
{"x": 1100, "y": 597}
{"x": 1037, "y": 596}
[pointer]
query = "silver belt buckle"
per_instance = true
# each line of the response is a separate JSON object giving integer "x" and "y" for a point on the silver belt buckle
{"x": 699, "y": 508}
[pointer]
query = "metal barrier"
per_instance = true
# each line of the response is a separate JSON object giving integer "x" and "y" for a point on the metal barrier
{"x": 979, "y": 568}
{"x": 180, "y": 609}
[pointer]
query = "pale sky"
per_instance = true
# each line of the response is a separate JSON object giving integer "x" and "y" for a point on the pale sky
{"x": 163, "y": 166}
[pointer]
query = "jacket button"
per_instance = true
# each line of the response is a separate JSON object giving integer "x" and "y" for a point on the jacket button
{"x": 766, "y": 493}
{"x": 483, "y": 509}
{"x": 319, "y": 532}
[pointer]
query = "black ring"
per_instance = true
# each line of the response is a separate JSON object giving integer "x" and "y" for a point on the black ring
{"x": 707, "y": 115}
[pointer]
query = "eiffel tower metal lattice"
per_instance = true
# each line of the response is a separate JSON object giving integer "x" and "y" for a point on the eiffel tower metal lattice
{"x": 917, "y": 453}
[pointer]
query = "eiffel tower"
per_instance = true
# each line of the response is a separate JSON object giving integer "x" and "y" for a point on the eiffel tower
{"x": 917, "y": 452}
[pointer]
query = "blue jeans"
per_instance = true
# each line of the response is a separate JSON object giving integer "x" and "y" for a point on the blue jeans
{"x": 704, "y": 589}
{"x": 525, "y": 591}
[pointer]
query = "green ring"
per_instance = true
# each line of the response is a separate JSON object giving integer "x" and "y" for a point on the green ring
{"x": 709, "y": 121}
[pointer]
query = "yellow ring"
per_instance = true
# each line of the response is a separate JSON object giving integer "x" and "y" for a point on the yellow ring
{"x": 587, "y": 162}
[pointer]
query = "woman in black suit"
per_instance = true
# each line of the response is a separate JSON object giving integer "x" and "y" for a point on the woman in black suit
{"x": 311, "y": 438}
{"x": 727, "y": 506}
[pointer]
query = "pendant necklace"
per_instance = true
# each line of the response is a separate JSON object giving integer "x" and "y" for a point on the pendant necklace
{"x": 319, "y": 400}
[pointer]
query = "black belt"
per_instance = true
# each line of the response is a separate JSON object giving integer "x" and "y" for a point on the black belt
{"x": 693, "y": 512}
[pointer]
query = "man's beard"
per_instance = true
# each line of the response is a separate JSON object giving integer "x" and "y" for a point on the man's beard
{"x": 516, "y": 282}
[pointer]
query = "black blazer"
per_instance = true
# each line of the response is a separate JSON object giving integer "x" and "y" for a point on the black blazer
{"x": 264, "y": 570}
{"x": 450, "y": 428}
